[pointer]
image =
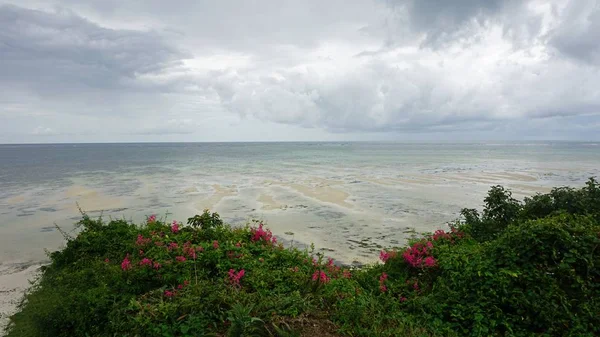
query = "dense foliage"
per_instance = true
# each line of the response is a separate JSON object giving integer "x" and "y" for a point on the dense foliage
{"x": 518, "y": 268}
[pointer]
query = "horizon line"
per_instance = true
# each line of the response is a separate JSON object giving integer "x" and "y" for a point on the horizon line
{"x": 313, "y": 141}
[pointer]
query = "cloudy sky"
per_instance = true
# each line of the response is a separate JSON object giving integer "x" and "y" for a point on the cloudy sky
{"x": 199, "y": 70}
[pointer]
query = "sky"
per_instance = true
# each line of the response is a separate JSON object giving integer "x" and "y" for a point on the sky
{"x": 302, "y": 70}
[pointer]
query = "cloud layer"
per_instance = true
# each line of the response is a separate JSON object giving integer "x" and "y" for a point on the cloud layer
{"x": 299, "y": 70}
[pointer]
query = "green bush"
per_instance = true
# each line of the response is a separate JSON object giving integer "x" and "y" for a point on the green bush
{"x": 518, "y": 268}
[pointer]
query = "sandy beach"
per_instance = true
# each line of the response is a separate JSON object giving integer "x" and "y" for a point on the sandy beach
{"x": 14, "y": 280}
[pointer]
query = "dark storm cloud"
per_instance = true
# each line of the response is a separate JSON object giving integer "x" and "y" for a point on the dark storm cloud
{"x": 578, "y": 36}
{"x": 54, "y": 51}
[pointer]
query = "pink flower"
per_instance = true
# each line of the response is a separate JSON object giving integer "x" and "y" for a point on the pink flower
{"x": 346, "y": 273}
{"x": 180, "y": 258}
{"x": 441, "y": 234}
{"x": 169, "y": 293}
{"x": 106, "y": 260}
{"x": 141, "y": 241}
{"x": 384, "y": 256}
{"x": 175, "y": 227}
{"x": 430, "y": 244}
{"x": 260, "y": 234}
{"x": 180, "y": 286}
{"x": 234, "y": 278}
{"x": 173, "y": 245}
{"x": 430, "y": 261}
{"x": 200, "y": 249}
{"x": 126, "y": 264}
{"x": 146, "y": 262}
{"x": 215, "y": 244}
{"x": 152, "y": 218}
{"x": 320, "y": 276}
{"x": 382, "y": 280}
{"x": 141, "y": 252}
{"x": 186, "y": 283}
{"x": 156, "y": 265}
{"x": 416, "y": 285}
{"x": 238, "y": 244}
{"x": 402, "y": 299}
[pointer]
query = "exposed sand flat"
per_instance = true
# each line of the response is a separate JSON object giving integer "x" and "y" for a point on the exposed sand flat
{"x": 416, "y": 180}
{"x": 78, "y": 191}
{"x": 400, "y": 181}
{"x": 220, "y": 193}
{"x": 512, "y": 176}
{"x": 325, "y": 182}
{"x": 322, "y": 193}
{"x": 90, "y": 200}
{"x": 386, "y": 182}
{"x": 491, "y": 178}
{"x": 268, "y": 203}
{"x": 474, "y": 179}
{"x": 190, "y": 189}
{"x": 529, "y": 188}
{"x": 18, "y": 199}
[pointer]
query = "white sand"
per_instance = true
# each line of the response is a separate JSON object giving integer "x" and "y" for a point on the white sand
{"x": 13, "y": 283}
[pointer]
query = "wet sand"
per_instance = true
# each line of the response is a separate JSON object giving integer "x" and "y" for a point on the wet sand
{"x": 217, "y": 196}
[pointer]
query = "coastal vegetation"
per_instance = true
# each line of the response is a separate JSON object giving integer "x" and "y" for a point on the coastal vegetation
{"x": 517, "y": 268}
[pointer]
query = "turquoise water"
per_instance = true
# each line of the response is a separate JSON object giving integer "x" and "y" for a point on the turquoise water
{"x": 347, "y": 198}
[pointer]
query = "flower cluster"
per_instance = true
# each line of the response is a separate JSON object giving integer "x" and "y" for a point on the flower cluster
{"x": 441, "y": 234}
{"x": 126, "y": 264}
{"x": 382, "y": 280}
{"x": 261, "y": 234}
{"x": 386, "y": 255}
{"x": 141, "y": 241}
{"x": 190, "y": 251}
{"x": 235, "y": 277}
{"x": 152, "y": 218}
{"x": 320, "y": 276}
{"x": 419, "y": 255}
{"x": 175, "y": 227}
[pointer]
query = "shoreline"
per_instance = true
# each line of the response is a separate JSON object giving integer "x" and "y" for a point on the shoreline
{"x": 15, "y": 279}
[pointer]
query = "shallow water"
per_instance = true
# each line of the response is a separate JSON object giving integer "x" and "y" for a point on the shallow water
{"x": 349, "y": 199}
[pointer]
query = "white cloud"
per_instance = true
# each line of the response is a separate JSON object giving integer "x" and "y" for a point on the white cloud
{"x": 367, "y": 69}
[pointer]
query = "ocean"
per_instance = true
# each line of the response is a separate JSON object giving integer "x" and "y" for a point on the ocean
{"x": 349, "y": 199}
